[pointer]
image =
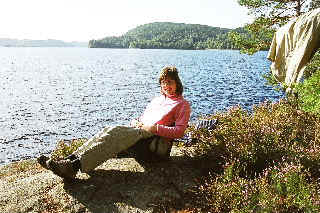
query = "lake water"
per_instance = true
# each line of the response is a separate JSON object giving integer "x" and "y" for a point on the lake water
{"x": 48, "y": 94}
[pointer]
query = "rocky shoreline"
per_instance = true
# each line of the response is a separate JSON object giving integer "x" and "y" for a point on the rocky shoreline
{"x": 118, "y": 185}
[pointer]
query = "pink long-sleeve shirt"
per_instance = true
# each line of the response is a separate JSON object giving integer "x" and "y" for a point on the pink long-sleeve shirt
{"x": 171, "y": 114}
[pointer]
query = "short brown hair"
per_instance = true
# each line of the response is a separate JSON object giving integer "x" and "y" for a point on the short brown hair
{"x": 172, "y": 73}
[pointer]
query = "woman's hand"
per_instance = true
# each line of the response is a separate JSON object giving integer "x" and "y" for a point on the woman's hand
{"x": 149, "y": 128}
{"x": 138, "y": 124}
{"x": 135, "y": 123}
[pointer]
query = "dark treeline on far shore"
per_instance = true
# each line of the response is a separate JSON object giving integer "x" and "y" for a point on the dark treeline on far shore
{"x": 167, "y": 35}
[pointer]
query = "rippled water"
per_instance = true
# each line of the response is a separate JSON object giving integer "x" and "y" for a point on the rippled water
{"x": 48, "y": 94}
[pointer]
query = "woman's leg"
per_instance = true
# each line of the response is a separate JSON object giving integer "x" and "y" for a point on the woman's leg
{"x": 147, "y": 150}
{"x": 106, "y": 144}
{"x": 101, "y": 147}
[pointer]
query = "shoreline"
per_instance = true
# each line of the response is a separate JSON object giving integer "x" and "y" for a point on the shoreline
{"x": 118, "y": 185}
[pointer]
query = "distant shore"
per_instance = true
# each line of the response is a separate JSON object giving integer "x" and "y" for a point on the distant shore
{"x": 7, "y": 42}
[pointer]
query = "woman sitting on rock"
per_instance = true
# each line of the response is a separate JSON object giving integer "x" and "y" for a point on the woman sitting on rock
{"x": 164, "y": 119}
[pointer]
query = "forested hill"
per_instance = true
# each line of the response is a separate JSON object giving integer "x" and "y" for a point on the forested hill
{"x": 167, "y": 35}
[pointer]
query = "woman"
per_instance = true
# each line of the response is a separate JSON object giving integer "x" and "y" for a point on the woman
{"x": 167, "y": 117}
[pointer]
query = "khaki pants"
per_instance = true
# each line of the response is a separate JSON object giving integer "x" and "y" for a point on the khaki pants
{"x": 111, "y": 141}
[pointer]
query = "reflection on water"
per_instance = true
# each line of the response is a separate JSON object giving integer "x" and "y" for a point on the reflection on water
{"x": 48, "y": 94}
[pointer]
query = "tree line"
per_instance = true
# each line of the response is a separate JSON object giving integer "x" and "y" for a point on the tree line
{"x": 167, "y": 35}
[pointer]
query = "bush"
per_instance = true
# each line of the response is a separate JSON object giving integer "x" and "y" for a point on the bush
{"x": 269, "y": 161}
{"x": 309, "y": 90}
{"x": 281, "y": 188}
{"x": 65, "y": 148}
{"x": 309, "y": 93}
{"x": 254, "y": 141}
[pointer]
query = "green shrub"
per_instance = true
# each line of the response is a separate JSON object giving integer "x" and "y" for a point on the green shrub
{"x": 65, "y": 148}
{"x": 309, "y": 90}
{"x": 264, "y": 161}
{"x": 309, "y": 93}
{"x": 253, "y": 141}
{"x": 281, "y": 188}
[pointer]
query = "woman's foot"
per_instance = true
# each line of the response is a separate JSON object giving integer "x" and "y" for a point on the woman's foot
{"x": 62, "y": 168}
{"x": 42, "y": 160}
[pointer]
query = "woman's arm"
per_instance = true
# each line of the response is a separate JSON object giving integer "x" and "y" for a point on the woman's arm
{"x": 181, "y": 123}
{"x": 150, "y": 128}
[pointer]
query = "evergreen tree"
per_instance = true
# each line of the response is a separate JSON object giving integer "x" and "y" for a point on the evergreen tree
{"x": 268, "y": 15}
{"x": 315, "y": 4}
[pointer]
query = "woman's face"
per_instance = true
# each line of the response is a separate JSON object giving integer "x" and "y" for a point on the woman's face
{"x": 168, "y": 87}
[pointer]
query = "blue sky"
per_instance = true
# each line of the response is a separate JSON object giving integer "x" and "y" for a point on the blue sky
{"x": 83, "y": 20}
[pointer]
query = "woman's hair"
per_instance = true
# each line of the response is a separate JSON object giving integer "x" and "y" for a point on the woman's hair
{"x": 172, "y": 73}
